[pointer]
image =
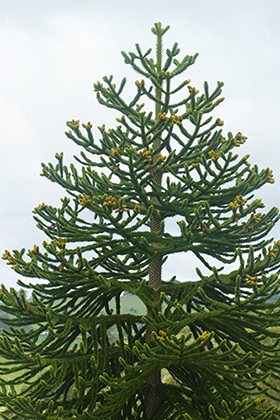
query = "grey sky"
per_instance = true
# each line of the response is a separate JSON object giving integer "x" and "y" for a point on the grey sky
{"x": 52, "y": 52}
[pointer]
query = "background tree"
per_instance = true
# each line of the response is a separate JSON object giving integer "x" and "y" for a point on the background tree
{"x": 109, "y": 236}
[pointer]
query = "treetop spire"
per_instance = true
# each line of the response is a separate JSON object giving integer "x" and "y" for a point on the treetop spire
{"x": 158, "y": 30}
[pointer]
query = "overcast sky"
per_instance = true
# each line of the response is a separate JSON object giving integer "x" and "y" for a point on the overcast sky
{"x": 53, "y": 51}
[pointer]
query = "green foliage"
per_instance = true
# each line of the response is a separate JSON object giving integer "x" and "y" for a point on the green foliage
{"x": 78, "y": 353}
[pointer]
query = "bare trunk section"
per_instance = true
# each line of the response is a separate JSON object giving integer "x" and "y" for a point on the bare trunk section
{"x": 153, "y": 397}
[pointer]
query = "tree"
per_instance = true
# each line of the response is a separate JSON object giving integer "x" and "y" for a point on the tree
{"x": 109, "y": 236}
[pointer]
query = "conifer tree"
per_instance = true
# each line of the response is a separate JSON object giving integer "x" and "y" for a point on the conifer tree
{"x": 216, "y": 335}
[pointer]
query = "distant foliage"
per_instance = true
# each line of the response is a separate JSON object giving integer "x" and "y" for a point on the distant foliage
{"x": 3, "y": 316}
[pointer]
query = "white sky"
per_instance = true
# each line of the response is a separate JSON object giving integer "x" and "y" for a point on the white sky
{"x": 53, "y": 51}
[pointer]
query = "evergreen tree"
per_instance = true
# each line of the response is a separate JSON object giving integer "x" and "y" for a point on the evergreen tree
{"x": 215, "y": 336}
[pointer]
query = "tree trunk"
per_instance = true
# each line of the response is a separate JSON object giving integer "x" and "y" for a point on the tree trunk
{"x": 153, "y": 396}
